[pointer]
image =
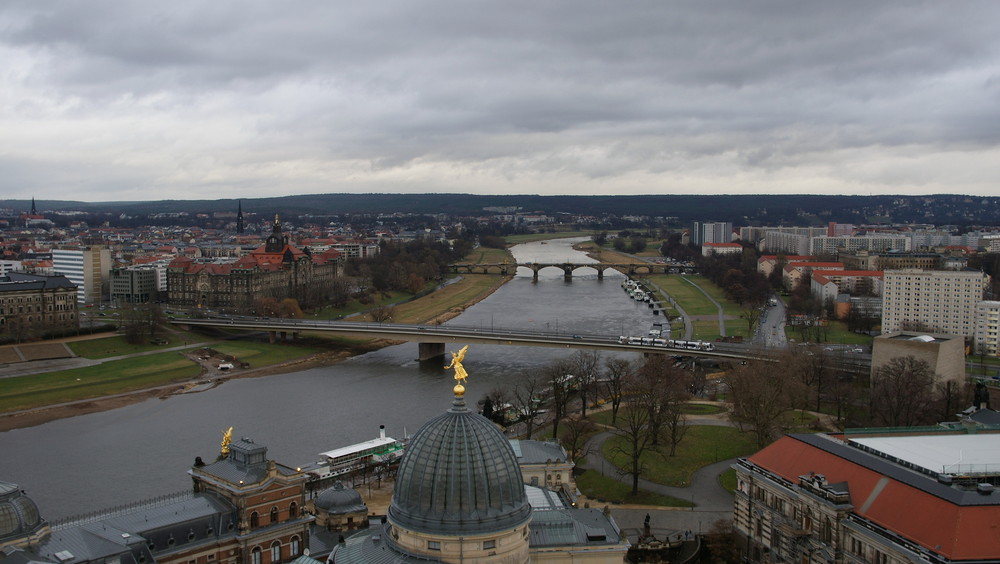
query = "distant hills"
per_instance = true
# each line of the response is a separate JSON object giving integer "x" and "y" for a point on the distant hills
{"x": 740, "y": 209}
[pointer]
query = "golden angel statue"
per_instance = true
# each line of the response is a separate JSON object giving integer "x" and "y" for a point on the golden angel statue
{"x": 456, "y": 363}
{"x": 227, "y": 436}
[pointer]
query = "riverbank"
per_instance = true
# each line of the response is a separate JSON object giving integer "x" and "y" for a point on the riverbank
{"x": 442, "y": 307}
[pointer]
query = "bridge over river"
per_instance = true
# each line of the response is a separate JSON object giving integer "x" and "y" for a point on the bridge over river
{"x": 433, "y": 338}
{"x": 629, "y": 268}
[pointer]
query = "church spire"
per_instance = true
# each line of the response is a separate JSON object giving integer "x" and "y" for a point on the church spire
{"x": 33, "y": 211}
{"x": 240, "y": 225}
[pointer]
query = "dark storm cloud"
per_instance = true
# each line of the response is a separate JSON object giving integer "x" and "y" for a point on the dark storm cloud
{"x": 513, "y": 96}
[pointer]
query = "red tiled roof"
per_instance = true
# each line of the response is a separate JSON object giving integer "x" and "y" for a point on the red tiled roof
{"x": 958, "y": 532}
{"x": 816, "y": 264}
{"x": 721, "y": 245}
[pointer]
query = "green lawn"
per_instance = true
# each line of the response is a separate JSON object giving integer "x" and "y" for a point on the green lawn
{"x": 690, "y": 299}
{"x": 835, "y": 332}
{"x": 603, "y": 489}
{"x": 702, "y": 445}
{"x": 703, "y": 409}
{"x": 263, "y": 354}
{"x": 113, "y": 377}
{"x": 728, "y": 480}
{"x": 116, "y": 345}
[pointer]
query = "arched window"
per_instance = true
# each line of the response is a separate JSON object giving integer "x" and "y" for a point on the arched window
{"x": 255, "y": 555}
{"x": 293, "y": 546}
{"x": 254, "y": 520}
{"x": 274, "y": 514}
{"x": 293, "y": 510}
{"x": 275, "y": 551}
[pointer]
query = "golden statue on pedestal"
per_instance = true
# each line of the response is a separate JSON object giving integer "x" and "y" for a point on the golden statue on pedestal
{"x": 460, "y": 373}
{"x": 227, "y": 436}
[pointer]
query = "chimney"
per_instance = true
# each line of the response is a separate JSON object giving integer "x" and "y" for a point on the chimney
{"x": 381, "y": 431}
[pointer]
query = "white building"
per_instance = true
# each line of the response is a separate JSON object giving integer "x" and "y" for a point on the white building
{"x": 793, "y": 243}
{"x": 987, "y": 339}
{"x": 88, "y": 268}
{"x": 830, "y": 245}
{"x": 940, "y": 301}
{"x": 711, "y": 232}
{"x": 708, "y": 249}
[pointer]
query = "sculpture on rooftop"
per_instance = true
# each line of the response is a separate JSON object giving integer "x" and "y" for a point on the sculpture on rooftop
{"x": 460, "y": 373}
{"x": 227, "y": 436}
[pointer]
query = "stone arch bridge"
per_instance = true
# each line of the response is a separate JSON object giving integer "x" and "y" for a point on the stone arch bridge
{"x": 509, "y": 268}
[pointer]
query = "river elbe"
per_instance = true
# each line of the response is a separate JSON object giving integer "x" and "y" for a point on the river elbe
{"x": 91, "y": 462}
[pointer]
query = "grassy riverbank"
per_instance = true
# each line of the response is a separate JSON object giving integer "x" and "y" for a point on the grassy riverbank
{"x": 169, "y": 369}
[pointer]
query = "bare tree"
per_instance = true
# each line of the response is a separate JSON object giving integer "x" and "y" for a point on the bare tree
{"x": 586, "y": 365}
{"x": 558, "y": 378}
{"x": 810, "y": 366}
{"x": 902, "y": 392}
{"x": 665, "y": 389}
{"x": 526, "y": 396}
{"x": 618, "y": 371}
{"x": 382, "y": 313}
{"x": 762, "y": 391}
{"x": 633, "y": 427}
{"x": 576, "y": 431}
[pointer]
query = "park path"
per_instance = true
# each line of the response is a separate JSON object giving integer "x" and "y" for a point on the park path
{"x": 712, "y": 501}
{"x": 688, "y": 327}
{"x": 722, "y": 319}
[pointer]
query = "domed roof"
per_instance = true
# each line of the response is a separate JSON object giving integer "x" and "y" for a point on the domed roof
{"x": 459, "y": 475}
{"x": 18, "y": 513}
{"x": 338, "y": 499}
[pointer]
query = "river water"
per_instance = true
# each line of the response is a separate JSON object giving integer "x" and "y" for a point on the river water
{"x": 80, "y": 464}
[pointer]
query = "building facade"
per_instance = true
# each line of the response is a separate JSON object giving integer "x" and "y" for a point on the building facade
{"x": 938, "y": 301}
{"x": 276, "y": 270}
{"x": 871, "y": 498}
{"x": 133, "y": 285}
{"x": 711, "y": 232}
{"x": 987, "y": 339}
{"x": 89, "y": 268}
{"x": 243, "y": 509}
{"x": 31, "y": 305}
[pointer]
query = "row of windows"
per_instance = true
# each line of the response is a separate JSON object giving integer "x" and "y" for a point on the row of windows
{"x": 294, "y": 547}
{"x": 487, "y": 545}
{"x": 293, "y": 512}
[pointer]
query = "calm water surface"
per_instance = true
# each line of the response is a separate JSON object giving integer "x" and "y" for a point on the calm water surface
{"x": 94, "y": 461}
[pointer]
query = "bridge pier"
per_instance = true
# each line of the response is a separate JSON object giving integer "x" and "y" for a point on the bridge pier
{"x": 600, "y": 273}
{"x": 428, "y": 351}
{"x": 534, "y": 274}
{"x": 568, "y": 273}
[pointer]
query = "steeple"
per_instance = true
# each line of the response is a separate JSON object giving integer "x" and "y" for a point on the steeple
{"x": 33, "y": 211}
{"x": 240, "y": 225}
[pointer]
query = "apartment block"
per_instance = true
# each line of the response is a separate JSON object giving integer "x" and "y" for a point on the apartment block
{"x": 939, "y": 301}
{"x": 711, "y": 232}
{"x": 987, "y": 339}
{"x": 89, "y": 269}
{"x": 832, "y": 245}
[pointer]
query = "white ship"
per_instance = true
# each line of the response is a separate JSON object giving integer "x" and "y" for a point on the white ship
{"x": 358, "y": 456}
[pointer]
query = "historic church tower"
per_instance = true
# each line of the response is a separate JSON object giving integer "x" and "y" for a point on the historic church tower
{"x": 240, "y": 224}
{"x": 276, "y": 241}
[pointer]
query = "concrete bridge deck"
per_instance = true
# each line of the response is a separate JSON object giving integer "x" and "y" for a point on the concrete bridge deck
{"x": 434, "y": 338}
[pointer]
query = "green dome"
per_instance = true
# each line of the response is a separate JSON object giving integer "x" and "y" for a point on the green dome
{"x": 459, "y": 475}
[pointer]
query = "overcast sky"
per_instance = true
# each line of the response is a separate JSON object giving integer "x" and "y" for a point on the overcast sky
{"x": 124, "y": 100}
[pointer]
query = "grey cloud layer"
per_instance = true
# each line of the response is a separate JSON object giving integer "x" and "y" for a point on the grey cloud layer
{"x": 260, "y": 98}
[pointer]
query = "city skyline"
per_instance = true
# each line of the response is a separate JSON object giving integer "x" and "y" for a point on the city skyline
{"x": 113, "y": 101}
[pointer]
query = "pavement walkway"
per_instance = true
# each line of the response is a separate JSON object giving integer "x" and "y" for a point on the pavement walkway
{"x": 722, "y": 317}
{"x": 712, "y": 501}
